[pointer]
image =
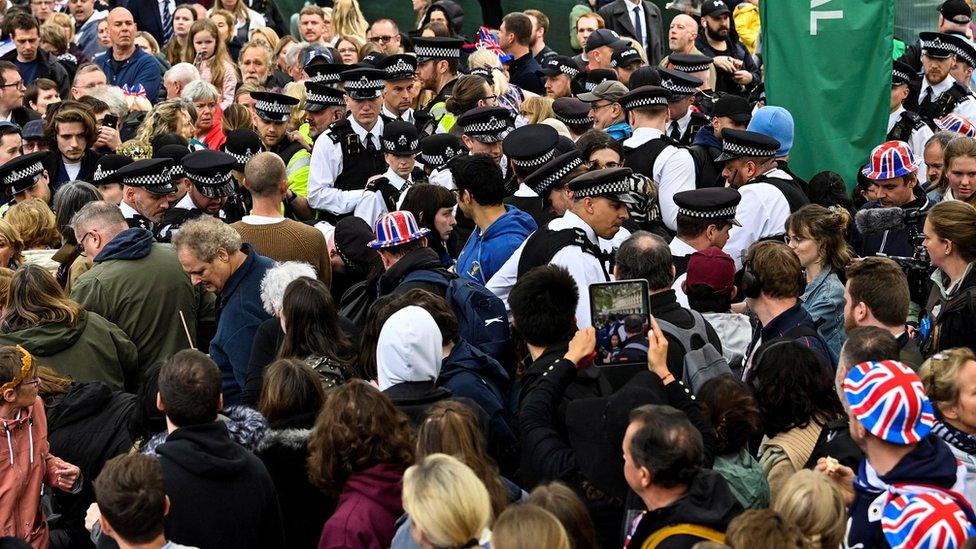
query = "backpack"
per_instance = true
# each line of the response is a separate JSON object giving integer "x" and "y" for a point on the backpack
{"x": 701, "y": 362}
{"x": 481, "y": 315}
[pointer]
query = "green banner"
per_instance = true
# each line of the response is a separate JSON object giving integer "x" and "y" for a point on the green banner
{"x": 829, "y": 63}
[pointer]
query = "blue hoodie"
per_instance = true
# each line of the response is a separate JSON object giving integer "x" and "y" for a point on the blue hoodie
{"x": 485, "y": 252}
{"x": 706, "y": 137}
{"x": 134, "y": 243}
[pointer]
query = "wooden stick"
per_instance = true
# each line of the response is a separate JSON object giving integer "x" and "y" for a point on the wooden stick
{"x": 186, "y": 330}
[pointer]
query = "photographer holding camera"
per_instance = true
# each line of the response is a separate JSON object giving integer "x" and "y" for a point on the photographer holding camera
{"x": 950, "y": 238}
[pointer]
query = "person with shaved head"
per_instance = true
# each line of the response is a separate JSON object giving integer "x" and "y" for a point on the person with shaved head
{"x": 124, "y": 64}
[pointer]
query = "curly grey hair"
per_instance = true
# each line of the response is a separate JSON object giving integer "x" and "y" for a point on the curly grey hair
{"x": 200, "y": 89}
{"x": 278, "y": 278}
{"x": 205, "y": 236}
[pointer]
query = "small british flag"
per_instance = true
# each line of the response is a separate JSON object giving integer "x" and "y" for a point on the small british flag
{"x": 889, "y": 160}
{"x": 888, "y": 398}
{"x": 925, "y": 520}
{"x": 954, "y": 123}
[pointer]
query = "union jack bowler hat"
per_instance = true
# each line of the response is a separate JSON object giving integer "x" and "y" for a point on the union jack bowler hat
{"x": 887, "y": 397}
{"x": 955, "y": 123}
{"x": 925, "y": 520}
{"x": 889, "y": 160}
{"x": 396, "y": 228}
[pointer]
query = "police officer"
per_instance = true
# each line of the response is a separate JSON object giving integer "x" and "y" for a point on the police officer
{"x": 551, "y": 182}
{"x": 350, "y": 152}
{"x": 905, "y": 125}
{"x": 385, "y": 192}
{"x": 685, "y": 121}
{"x": 705, "y": 217}
{"x": 940, "y": 94}
{"x": 962, "y": 69}
{"x": 401, "y": 78}
{"x": 624, "y": 61}
{"x": 482, "y": 131}
{"x": 559, "y": 73}
{"x": 435, "y": 152}
{"x": 575, "y": 114}
{"x": 329, "y": 74}
{"x": 243, "y": 144}
{"x": 767, "y": 201}
{"x": 24, "y": 177}
{"x": 527, "y": 148}
{"x": 147, "y": 187}
{"x": 438, "y": 61}
{"x": 105, "y": 179}
{"x": 651, "y": 153}
{"x": 211, "y": 185}
{"x": 600, "y": 208}
{"x": 273, "y": 111}
{"x": 324, "y": 105}
{"x": 176, "y": 152}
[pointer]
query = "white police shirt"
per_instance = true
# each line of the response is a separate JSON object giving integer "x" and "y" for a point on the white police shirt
{"x": 325, "y": 167}
{"x": 762, "y": 212}
{"x": 679, "y": 248}
{"x": 674, "y": 171}
{"x": 965, "y": 108}
{"x": 372, "y": 205}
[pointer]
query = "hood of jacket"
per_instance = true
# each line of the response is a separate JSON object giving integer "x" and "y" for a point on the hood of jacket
{"x": 453, "y": 10}
{"x": 291, "y": 433}
{"x": 466, "y": 357}
{"x": 419, "y": 259}
{"x": 514, "y": 222}
{"x": 49, "y": 339}
{"x": 83, "y": 400}
{"x": 409, "y": 348}
{"x": 130, "y": 244}
{"x": 931, "y": 462}
{"x": 706, "y": 137}
{"x": 246, "y": 427}
{"x": 708, "y": 502}
{"x": 382, "y": 484}
{"x": 205, "y": 450}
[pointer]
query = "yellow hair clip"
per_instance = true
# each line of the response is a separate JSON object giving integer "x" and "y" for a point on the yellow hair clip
{"x": 25, "y": 367}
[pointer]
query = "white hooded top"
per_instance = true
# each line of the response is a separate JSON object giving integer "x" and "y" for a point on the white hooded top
{"x": 409, "y": 348}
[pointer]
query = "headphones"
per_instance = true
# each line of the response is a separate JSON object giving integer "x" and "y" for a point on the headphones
{"x": 752, "y": 284}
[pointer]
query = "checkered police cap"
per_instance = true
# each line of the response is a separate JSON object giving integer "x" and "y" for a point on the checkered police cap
{"x": 678, "y": 88}
{"x": 28, "y": 172}
{"x": 161, "y": 178}
{"x": 936, "y": 44}
{"x": 723, "y": 213}
{"x": 434, "y": 52}
{"x": 101, "y": 175}
{"x": 323, "y": 99}
{"x": 364, "y": 83}
{"x": 401, "y": 144}
{"x": 555, "y": 63}
{"x": 629, "y": 104}
{"x": 493, "y": 125}
{"x": 899, "y": 76}
{"x": 541, "y": 180}
{"x": 620, "y": 186}
{"x": 534, "y": 162}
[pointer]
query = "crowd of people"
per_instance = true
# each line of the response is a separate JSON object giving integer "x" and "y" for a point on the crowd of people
{"x": 299, "y": 280}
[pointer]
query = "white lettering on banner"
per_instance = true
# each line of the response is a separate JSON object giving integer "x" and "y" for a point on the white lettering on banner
{"x": 818, "y": 15}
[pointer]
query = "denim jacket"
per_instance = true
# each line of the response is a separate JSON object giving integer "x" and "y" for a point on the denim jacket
{"x": 824, "y": 300}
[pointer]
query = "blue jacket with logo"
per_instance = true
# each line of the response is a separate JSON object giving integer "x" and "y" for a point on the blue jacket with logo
{"x": 485, "y": 252}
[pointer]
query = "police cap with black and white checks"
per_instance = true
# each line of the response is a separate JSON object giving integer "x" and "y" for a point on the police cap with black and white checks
{"x": 438, "y": 47}
{"x": 713, "y": 203}
{"x": 21, "y": 173}
{"x": 613, "y": 183}
{"x": 273, "y": 107}
{"x": 680, "y": 84}
{"x": 743, "y": 143}
{"x": 320, "y": 96}
{"x": 553, "y": 172}
{"x": 645, "y": 96}
{"x": 211, "y": 172}
{"x": 153, "y": 174}
{"x": 242, "y": 144}
{"x": 486, "y": 124}
{"x": 364, "y": 83}
{"x": 436, "y": 150}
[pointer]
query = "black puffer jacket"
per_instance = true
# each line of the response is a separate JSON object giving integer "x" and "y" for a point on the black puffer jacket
{"x": 952, "y": 326}
{"x": 87, "y": 426}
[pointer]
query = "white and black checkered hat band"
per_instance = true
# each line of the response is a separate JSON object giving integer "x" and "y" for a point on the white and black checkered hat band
{"x": 563, "y": 68}
{"x": 272, "y": 107}
{"x": 439, "y": 53}
{"x": 678, "y": 89}
{"x": 101, "y": 175}
{"x": 210, "y": 181}
{"x": 164, "y": 177}
{"x": 556, "y": 177}
{"x": 644, "y": 102}
{"x": 898, "y": 75}
{"x": 242, "y": 158}
{"x": 364, "y": 84}
{"x": 692, "y": 68}
{"x": 439, "y": 159}
{"x": 401, "y": 67}
{"x": 533, "y": 162}
{"x": 574, "y": 121}
{"x": 324, "y": 99}
{"x": 612, "y": 187}
{"x": 964, "y": 55}
{"x": 27, "y": 172}
{"x": 493, "y": 125}
{"x": 590, "y": 86}
{"x": 724, "y": 213}
{"x": 736, "y": 149}
{"x": 938, "y": 46}
{"x": 177, "y": 171}
{"x": 403, "y": 145}
{"x": 330, "y": 78}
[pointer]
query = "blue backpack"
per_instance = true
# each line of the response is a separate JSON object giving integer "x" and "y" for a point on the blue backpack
{"x": 481, "y": 315}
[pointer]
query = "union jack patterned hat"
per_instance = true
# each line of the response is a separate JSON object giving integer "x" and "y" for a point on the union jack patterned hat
{"x": 396, "y": 228}
{"x": 889, "y": 160}
{"x": 925, "y": 520}
{"x": 955, "y": 123}
{"x": 887, "y": 397}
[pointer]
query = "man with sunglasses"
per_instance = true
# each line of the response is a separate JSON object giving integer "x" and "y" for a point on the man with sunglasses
{"x": 385, "y": 34}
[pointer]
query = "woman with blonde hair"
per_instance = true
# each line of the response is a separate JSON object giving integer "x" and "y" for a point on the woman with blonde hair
{"x": 266, "y": 36}
{"x": 536, "y": 109}
{"x": 953, "y": 184}
{"x": 35, "y": 222}
{"x": 528, "y": 526}
{"x": 183, "y": 18}
{"x": 565, "y": 505}
{"x": 297, "y": 118}
{"x": 348, "y": 19}
{"x": 813, "y": 503}
{"x": 212, "y": 60}
{"x": 236, "y": 117}
{"x": 949, "y": 378}
{"x": 509, "y": 95}
{"x": 11, "y": 246}
{"x": 75, "y": 343}
{"x": 170, "y": 116}
{"x": 245, "y": 22}
{"x": 350, "y": 49}
{"x": 447, "y": 503}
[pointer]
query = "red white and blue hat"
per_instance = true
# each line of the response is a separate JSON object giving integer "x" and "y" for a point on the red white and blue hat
{"x": 887, "y": 397}
{"x": 396, "y": 228}
{"x": 954, "y": 123}
{"x": 889, "y": 160}
{"x": 925, "y": 520}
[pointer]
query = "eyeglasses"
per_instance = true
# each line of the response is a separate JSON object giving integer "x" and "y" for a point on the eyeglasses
{"x": 381, "y": 39}
{"x": 33, "y": 381}
{"x": 18, "y": 84}
{"x": 81, "y": 243}
{"x": 794, "y": 239}
{"x": 594, "y": 107}
{"x": 490, "y": 99}
{"x": 596, "y": 164}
